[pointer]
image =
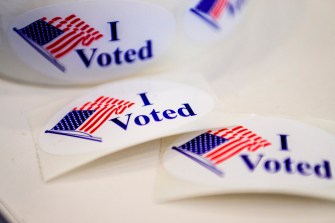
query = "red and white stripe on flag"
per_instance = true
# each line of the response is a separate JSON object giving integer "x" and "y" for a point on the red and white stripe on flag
{"x": 239, "y": 138}
{"x": 76, "y": 32}
{"x": 218, "y": 8}
{"x": 104, "y": 107}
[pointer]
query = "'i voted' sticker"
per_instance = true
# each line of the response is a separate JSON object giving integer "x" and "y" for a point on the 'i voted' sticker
{"x": 119, "y": 115}
{"x": 124, "y": 114}
{"x": 257, "y": 154}
{"x": 91, "y": 41}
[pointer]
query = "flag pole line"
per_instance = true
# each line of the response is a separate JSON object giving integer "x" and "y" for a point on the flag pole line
{"x": 205, "y": 19}
{"x": 92, "y": 138}
{"x": 40, "y": 51}
{"x": 209, "y": 167}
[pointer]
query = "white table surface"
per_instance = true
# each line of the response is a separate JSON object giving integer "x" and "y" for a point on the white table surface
{"x": 279, "y": 61}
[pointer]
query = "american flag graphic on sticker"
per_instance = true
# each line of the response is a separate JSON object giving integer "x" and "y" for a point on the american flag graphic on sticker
{"x": 216, "y": 146}
{"x": 210, "y": 11}
{"x": 83, "y": 121}
{"x": 56, "y": 37}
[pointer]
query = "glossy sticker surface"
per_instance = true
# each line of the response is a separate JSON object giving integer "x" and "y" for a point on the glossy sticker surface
{"x": 90, "y": 41}
{"x": 123, "y": 114}
{"x": 257, "y": 154}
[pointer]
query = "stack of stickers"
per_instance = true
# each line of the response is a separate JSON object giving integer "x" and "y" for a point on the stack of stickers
{"x": 219, "y": 152}
{"x": 204, "y": 150}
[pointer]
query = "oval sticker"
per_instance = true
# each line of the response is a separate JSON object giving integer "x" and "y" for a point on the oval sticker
{"x": 124, "y": 114}
{"x": 268, "y": 153}
{"x": 91, "y": 41}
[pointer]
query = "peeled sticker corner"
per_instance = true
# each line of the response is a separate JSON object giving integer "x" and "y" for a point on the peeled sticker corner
{"x": 123, "y": 114}
{"x": 259, "y": 154}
